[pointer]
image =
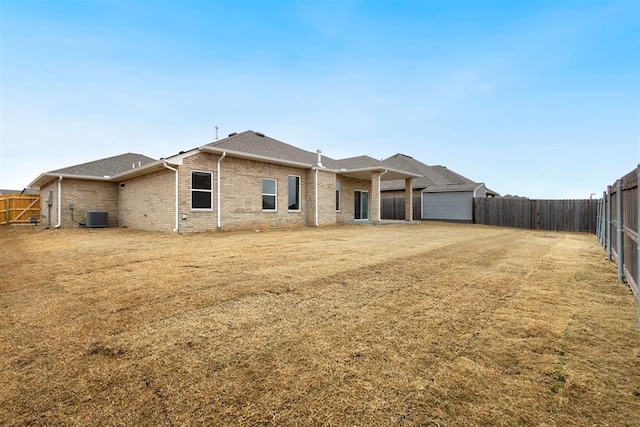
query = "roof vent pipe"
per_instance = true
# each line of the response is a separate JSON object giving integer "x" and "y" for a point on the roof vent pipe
{"x": 320, "y": 158}
{"x": 216, "y": 133}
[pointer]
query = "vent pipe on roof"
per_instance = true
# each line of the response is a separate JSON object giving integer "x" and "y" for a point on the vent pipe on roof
{"x": 216, "y": 133}
{"x": 320, "y": 158}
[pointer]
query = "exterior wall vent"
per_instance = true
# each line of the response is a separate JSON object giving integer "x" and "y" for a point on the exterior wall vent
{"x": 96, "y": 219}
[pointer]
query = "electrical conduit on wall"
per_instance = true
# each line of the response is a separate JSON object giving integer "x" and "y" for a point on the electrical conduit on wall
{"x": 59, "y": 202}
{"x": 224, "y": 154}
{"x": 177, "y": 215}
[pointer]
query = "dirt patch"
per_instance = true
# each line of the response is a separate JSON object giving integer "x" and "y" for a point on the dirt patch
{"x": 427, "y": 324}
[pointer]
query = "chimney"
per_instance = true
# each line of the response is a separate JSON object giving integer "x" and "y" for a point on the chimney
{"x": 320, "y": 158}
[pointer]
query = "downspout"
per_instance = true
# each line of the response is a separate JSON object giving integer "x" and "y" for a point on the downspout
{"x": 224, "y": 154}
{"x": 316, "y": 201}
{"x": 59, "y": 202}
{"x": 175, "y": 230}
{"x": 380, "y": 196}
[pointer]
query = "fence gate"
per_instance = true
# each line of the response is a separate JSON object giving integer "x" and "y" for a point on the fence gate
{"x": 19, "y": 208}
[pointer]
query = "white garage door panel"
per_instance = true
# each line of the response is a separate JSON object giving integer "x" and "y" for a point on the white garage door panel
{"x": 448, "y": 206}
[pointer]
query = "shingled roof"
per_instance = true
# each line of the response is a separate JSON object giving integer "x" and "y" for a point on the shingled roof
{"x": 102, "y": 169}
{"x": 106, "y": 167}
{"x": 438, "y": 177}
{"x": 256, "y": 145}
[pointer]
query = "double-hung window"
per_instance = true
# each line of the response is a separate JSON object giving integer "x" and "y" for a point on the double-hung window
{"x": 294, "y": 193}
{"x": 201, "y": 190}
{"x": 269, "y": 194}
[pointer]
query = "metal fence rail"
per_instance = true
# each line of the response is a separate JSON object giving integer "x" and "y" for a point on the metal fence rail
{"x": 618, "y": 219}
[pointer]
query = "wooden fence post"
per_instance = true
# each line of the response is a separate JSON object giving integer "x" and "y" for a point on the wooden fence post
{"x": 609, "y": 222}
{"x": 619, "y": 231}
{"x": 638, "y": 245}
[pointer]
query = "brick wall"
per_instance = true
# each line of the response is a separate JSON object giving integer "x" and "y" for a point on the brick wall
{"x": 85, "y": 196}
{"x": 348, "y": 187}
{"x": 148, "y": 202}
{"x": 326, "y": 198}
{"x": 241, "y": 195}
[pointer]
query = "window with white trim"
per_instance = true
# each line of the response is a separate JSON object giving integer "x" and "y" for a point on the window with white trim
{"x": 269, "y": 194}
{"x": 201, "y": 190}
{"x": 294, "y": 193}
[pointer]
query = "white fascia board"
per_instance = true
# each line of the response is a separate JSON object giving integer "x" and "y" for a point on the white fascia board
{"x": 391, "y": 175}
{"x": 248, "y": 156}
{"x": 41, "y": 179}
{"x": 144, "y": 169}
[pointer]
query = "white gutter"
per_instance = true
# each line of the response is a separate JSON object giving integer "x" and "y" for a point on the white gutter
{"x": 380, "y": 196}
{"x": 316, "y": 215}
{"x": 242, "y": 155}
{"x": 175, "y": 230}
{"x": 59, "y": 202}
{"x": 224, "y": 154}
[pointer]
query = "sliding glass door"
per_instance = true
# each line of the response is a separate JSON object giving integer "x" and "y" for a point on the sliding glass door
{"x": 361, "y": 205}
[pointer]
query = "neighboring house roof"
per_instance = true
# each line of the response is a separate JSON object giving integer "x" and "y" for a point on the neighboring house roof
{"x": 103, "y": 169}
{"x": 437, "y": 178}
{"x": 5, "y": 192}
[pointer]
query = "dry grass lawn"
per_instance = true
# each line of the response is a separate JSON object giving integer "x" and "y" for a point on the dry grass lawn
{"x": 426, "y": 324}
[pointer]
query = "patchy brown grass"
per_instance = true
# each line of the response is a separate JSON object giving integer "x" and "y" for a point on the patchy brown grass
{"x": 428, "y": 324}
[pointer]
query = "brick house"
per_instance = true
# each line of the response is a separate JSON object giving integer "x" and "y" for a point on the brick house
{"x": 247, "y": 180}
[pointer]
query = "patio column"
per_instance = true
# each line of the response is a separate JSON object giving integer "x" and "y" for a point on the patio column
{"x": 374, "y": 203}
{"x": 408, "y": 199}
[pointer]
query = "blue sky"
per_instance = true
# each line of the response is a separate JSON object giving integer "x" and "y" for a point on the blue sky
{"x": 534, "y": 98}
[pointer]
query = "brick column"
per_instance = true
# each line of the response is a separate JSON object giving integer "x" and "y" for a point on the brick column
{"x": 408, "y": 199}
{"x": 374, "y": 199}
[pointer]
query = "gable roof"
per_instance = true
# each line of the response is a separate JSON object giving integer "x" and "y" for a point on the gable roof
{"x": 262, "y": 146}
{"x": 103, "y": 169}
{"x": 437, "y": 178}
{"x": 108, "y": 167}
{"x": 248, "y": 145}
{"x": 257, "y": 146}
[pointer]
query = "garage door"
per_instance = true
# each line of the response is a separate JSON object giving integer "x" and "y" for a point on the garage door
{"x": 456, "y": 206}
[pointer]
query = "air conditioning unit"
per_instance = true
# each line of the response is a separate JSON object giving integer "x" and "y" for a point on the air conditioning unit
{"x": 96, "y": 219}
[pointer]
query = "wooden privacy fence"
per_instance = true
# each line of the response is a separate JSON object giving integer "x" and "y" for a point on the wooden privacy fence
{"x": 18, "y": 208}
{"x": 618, "y": 219}
{"x": 555, "y": 215}
{"x": 393, "y": 208}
